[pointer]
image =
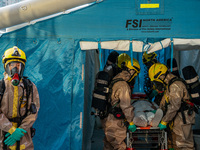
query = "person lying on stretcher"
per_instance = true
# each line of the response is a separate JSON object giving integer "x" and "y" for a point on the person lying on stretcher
{"x": 147, "y": 113}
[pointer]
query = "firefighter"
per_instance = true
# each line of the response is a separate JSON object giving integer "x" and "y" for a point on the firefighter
{"x": 176, "y": 106}
{"x": 121, "y": 108}
{"x": 19, "y": 103}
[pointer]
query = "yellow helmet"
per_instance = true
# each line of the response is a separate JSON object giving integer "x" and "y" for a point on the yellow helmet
{"x": 156, "y": 70}
{"x": 124, "y": 61}
{"x": 122, "y": 58}
{"x": 14, "y": 53}
{"x": 148, "y": 57}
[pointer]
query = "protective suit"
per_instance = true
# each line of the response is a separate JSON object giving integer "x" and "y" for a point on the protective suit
{"x": 182, "y": 134}
{"x": 115, "y": 129}
{"x": 174, "y": 106}
{"x": 17, "y": 113}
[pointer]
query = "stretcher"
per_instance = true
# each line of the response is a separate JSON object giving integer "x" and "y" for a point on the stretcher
{"x": 147, "y": 137}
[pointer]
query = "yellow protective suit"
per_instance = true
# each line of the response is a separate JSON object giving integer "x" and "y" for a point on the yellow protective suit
{"x": 10, "y": 109}
{"x": 182, "y": 134}
{"x": 115, "y": 129}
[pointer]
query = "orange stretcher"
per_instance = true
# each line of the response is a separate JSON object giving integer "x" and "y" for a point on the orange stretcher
{"x": 147, "y": 137}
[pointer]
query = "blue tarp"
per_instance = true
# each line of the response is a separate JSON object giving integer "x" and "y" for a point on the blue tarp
{"x": 56, "y": 64}
{"x": 56, "y": 69}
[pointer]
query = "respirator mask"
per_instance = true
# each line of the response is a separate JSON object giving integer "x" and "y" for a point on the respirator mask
{"x": 15, "y": 71}
{"x": 160, "y": 87}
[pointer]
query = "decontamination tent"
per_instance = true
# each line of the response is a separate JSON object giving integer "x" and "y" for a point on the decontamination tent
{"x": 64, "y": 74}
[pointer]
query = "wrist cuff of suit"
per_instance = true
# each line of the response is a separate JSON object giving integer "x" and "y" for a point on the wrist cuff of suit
{"x": 131, "y": 123}
{"x": 11, "y": 130}
{"x": 163, "y": 123}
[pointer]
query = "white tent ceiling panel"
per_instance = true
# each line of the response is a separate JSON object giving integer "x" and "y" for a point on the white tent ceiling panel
{"x": 159, "y": 45}
{"x": 121, "y": 45}
{"x": 186, "y": 44}
{"x": 85, "y": 45}
{"x": 137, "y": 46}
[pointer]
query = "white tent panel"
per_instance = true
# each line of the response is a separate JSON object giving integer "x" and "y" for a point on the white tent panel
{"x": 139, "y": 46}
{"x": 186, "y": 44}
{"x": 120, "y": 45}
{"x": 85, "y": 45}
{"x": 159, "y": 45}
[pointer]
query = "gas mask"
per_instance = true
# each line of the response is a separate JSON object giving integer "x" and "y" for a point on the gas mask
{"x": 160, "y": 87}
{"x": 15, "y": 76}
{"x": 15, "y": 71}
{"x": 132, "y": 82}
{"x": 132, "y": 79}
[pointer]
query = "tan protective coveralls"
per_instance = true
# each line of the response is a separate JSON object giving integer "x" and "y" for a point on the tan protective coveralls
{"x": 115, "y": 130}
{"x": 10, "y": 109}
{"x": 182, "y": 134}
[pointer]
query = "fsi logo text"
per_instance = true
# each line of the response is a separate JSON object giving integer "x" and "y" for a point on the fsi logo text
{"x": 133, "y": 23}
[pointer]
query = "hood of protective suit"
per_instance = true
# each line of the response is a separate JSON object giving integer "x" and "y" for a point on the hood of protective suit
{"x": 121, "y": 91}
{"x": 123, "y": 75}
{"x": 169, "y": 77}
{"x": 115, "y": 130}
{"x": 177, "y": 93}
{"x": 14, "y": 104}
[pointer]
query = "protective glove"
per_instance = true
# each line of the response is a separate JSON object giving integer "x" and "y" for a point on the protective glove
{"x": 132, "y": 127}
{"x": 162, "y": 125}
{"x": 15, "y": 136}
{"x": 11, "y": 140}
{"x": 19, "y": 132}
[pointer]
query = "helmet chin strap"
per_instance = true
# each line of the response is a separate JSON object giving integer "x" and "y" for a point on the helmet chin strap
{"x": 132, "y": 76}
{"x": 163, "y": 80}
